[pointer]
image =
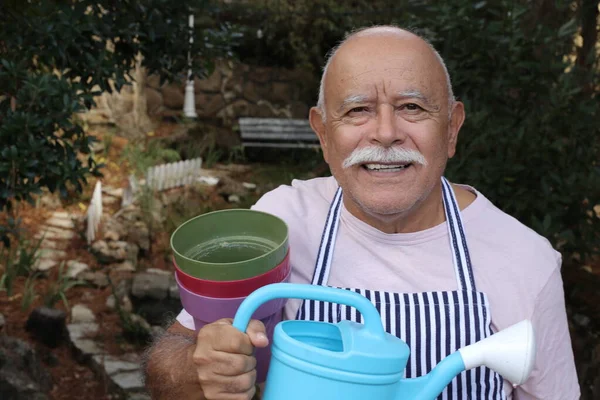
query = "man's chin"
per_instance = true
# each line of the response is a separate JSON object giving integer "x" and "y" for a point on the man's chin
{"x": 380, "y": 206}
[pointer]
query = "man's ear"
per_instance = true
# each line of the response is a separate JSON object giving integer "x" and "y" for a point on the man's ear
{"x": 456, "y": 121}
{"x": 316, "y": 123}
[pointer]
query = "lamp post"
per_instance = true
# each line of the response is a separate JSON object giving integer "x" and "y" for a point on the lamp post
{"x": 189, "y": 104}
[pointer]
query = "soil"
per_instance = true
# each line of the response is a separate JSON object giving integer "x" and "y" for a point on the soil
{"x": 71, "y": 379}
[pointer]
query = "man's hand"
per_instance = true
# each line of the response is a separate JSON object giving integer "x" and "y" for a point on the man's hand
{"x": 224, "y": 359}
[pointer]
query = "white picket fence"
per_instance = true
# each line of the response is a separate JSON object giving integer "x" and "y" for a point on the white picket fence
{"x": 94, "y": 213}
{"x": 163, "y": 177}
{"x": 167, "y": 176}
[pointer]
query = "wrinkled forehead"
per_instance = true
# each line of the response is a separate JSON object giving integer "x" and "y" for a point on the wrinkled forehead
{"x": 366, "y": 66}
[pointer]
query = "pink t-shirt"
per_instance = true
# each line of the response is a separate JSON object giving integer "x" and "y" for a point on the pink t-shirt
{"x": 517, "y": 269}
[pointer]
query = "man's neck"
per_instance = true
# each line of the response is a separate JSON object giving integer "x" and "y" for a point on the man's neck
{"x": 424, "y": 215}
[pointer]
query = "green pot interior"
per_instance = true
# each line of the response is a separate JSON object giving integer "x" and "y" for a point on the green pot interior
{"x": 230, "y": 244}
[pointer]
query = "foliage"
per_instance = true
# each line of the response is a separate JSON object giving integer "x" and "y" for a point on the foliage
{"x": 29, "y": 291}
{"x": 299, "y": 33}
{"x": 141, "y": 157}
{"x": 55, "y": 55}
{"x": 18, "y": 261}
{"x": 57, "y": 289}
{"x": 133, "y": 329}
{"x": 530, "y": 141}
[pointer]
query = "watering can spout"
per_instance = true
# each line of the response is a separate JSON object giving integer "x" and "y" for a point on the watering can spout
{"x": 510, "y": 352}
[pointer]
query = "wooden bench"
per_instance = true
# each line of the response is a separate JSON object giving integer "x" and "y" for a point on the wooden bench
{"x": 277, "y": 132}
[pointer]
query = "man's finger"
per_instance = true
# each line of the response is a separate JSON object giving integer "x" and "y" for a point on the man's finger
{"x": 227, "y": 364}
{"x": 258, "y": 333}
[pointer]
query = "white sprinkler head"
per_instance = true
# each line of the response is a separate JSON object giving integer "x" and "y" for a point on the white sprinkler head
{"x": 510, "y": 352}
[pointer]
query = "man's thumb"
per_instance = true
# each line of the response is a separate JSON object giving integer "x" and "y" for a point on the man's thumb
{"x": 257, "y": 333}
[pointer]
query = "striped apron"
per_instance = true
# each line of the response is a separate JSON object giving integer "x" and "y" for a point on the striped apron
{"x": 433, "y": 324}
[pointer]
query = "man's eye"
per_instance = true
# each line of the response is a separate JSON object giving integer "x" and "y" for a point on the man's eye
{"x": 412, "y": 107}
{"x": 358, "y": 110}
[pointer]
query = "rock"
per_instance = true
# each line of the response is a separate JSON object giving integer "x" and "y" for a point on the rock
{"x": 114, "y": 192}
{"x": 148, "y": 285}
{"x": 234, "y": 198}
{"x": 45, "y": 264}
{"x": 126, "y": 304}
{"x": 260, "y": 74}
{"x": 112, "y": 224}
{"x": 129, "y": 380}
{"x": 229, "y": 186}
{"x": 174, "y": 290}
{"x": 158, "y": 271}
{"x": 111, "y": 236}
{"x": 112, "y": 364}
{"x": 114, "y": 252}
{"x": 208, "y": 180}
{"x": 249, "y": 186}
{"x": 82, "y": 330}
{"x": 140, "y": 235}
{"x": 139, "y": 396}
{"x": 111, "y": 302}
{"x": 209, "y": 105}
{"x": 172, "y": 97}
{"x": 50, "y": 201}
{"x": 74, "y": 268}
{"x": 210, "y": 84}
{"x": 51, "y": 254}
{"x": 97, "y": 279}
{"x": 81, "y": 313}
{"x": 61, "y": 215}
{"x": 153, "y": 101}
{"x": 62, "y": 223}
{"x": 299, "y": 110}
{"x": 87, "y": 347}
{"x": 123, "y": 288}
{"x": 54, "y": 245}
{"x": 55, "y": 234}
{"x": 153, "y": 81}
{"x": 47, "y": 325}
{"x": 141, "y": 322}
{"x": 109, "y": 200}
{"x": 250, "y": 93}
{"x": 125, "y": 266}
{"x": 22, "y": 374}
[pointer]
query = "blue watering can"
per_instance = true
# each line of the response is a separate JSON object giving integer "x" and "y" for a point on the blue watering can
{"x": 348, "y": 360}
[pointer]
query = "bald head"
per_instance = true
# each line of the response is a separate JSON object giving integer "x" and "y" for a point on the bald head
{"x": 351, "y": 47}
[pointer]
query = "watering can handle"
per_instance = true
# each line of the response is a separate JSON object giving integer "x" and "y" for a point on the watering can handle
{"x": 308, "y": 292}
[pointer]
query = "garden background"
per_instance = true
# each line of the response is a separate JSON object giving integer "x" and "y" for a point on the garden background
{"x": 92, "y": 95}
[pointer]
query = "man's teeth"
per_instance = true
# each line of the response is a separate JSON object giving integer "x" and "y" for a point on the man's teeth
{"x": 385, "y": 167}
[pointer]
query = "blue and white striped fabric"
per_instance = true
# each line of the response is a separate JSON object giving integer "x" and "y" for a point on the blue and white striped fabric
{"x": 433, "y": 324}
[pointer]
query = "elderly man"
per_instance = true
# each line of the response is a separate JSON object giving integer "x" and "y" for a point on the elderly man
{"x": 443, "y": 265}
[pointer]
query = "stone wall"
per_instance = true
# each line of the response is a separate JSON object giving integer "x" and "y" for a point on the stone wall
{"x": 232, "y": 91}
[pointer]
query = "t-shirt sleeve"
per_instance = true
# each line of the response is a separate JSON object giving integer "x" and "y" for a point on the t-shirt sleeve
{"x": 554, "y": 376}
{"x": 185, "y": 319}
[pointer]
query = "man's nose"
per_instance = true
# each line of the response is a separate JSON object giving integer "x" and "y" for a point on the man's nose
{"x": 387, "y": 131}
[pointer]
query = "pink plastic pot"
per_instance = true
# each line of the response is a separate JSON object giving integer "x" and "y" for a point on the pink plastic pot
{"x": 206, "y": 310}
{"x": 237, "y": 288}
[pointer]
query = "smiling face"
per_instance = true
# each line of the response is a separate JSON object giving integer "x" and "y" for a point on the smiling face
{"x": 387, "y": 134}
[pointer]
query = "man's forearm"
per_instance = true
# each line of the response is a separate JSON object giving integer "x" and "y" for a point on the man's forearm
{"x": 169, "y": 370}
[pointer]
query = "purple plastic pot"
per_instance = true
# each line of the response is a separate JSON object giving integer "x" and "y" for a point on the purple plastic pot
{"x": 205, "y": 310}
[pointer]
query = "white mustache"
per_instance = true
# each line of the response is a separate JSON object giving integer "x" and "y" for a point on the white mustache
{"x": 378, "y": 154}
